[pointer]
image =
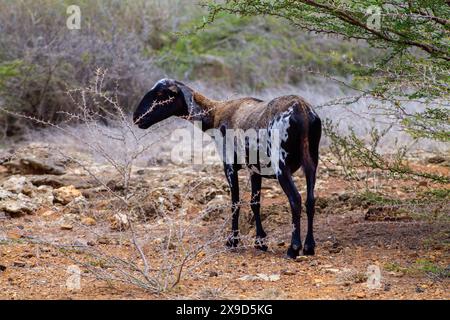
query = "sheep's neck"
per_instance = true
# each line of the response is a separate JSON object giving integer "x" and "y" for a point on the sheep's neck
{"x": 208, "y": 106}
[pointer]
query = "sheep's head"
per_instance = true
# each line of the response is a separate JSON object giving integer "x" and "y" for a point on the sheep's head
{"x": 167, "y": 98}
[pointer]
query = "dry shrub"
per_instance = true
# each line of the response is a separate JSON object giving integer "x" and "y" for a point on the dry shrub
{"x": 44, "y": 58}
{"x": 155, "y": 242}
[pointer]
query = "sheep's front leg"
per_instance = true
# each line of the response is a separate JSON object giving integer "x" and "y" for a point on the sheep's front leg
{"x": 255, "y": 204}
{"x": 231, "y": 173}
{"x": 295, "y": 200}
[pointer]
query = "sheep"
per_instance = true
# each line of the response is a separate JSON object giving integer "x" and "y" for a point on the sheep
{"x": 299, "y": 130}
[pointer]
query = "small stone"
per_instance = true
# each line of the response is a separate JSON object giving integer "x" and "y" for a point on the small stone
{"x": 88, "y": 221}
{"x": 436, "y": 160}
{"x": 19, "y": 264}
{"x": 332, "y": 270}
{"x": 344, "y": 197}
{"x": 65, "y": 195}
{"x": 419, "y": 290}
{"x": 301, "y": 258}
{"x": 314, "y": 263}
{"x": 213, "y": 274}
{"x": 80, "y": 243}
{"x": 119, "y": 221}
{"x": 274, "y": 277}
{"x": 260, "y": 276}
{"x": 321, "y": 203}
{"x": 247, "y": 278}
{"x": 2, "y": 268}
{"x": 48, "y": 213}
{"x": 215, "y": 208}
{"x": 318, "y": 281}
{"x": 14, "y": 235}
{"x": 66, "y": 226}
{"x": 103, "y": 240}
{"x": 336, "y": 249}
{"x": 288, "y": 273}
{"x": 360, "y": 295}
{"x": 281, "y": 244}
{"x": 268, "y": 277}
{"x": 387, "y": 287}
{"x": 423, "y": 184}
{"x": 333, "y": 246}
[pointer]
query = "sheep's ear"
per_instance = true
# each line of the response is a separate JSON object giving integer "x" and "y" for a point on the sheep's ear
{"x": 174, "y": 89}
{"x": 193, "y": 108}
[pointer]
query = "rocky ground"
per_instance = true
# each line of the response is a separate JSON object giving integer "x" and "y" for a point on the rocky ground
{"x": 55, "y": 215}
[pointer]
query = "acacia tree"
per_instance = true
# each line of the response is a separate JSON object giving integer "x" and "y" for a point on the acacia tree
{"x": 412, "y": 38}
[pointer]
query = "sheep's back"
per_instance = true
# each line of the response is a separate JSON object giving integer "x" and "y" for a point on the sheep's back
{"x": 253, "y": 113}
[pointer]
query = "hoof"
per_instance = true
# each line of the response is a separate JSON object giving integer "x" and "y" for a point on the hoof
{"x": 260, "y": 245}
{"x": 232, "y": 242}
{"x": 308, "y": 251}
{"x": 293, "y": 253}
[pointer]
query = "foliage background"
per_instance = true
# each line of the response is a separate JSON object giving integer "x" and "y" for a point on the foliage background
{"x": 356, "y": 78}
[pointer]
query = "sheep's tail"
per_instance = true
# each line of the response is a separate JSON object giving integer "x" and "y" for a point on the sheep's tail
{"x": 314, "y": 135}
{"x": 310, "y": 133}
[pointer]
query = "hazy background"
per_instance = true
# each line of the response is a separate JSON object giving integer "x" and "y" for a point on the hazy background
{"x": 141, "y": 41}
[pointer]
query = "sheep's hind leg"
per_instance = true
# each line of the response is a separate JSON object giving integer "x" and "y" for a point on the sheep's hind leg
{"x": 310, "y": 169}
{"x": 310, "y": 244}
{"x": 232, "y": 177}
{"x": 255, "y": 204}
{"x": 289, "y": 188}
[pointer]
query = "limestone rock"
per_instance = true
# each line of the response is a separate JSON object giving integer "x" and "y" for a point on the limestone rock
{"x": 66, "y": 226}
{"x": 436, "y": 160}
{"x": 43, "y": 195}
{"x": 88, "y": 221}
{"x": 260, "y": 276}
{"x": 17, "y": 184}
{"x": 77, "y": 206}
{"x": 18, "y": 204}
{"x": 65, "y": 195}
{"x": 119, "y": 221}
{"x": 35, "y": 165}
{"x": 5, "y": 194}
{"x": 216, "y": 207}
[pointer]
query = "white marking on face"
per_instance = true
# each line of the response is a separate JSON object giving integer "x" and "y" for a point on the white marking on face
{"x": 278, "y": 129}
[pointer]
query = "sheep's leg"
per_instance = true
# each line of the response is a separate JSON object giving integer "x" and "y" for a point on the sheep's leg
{"x": 295, "y": 200}
{"x": 310, "y": 244}
{"x": 310, "y": 168}
{"x": 232, "y": 177}
{"x": 255, "y": 204}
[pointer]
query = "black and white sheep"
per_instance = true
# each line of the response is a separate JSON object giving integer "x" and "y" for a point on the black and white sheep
{"x": 299, "y": 132}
